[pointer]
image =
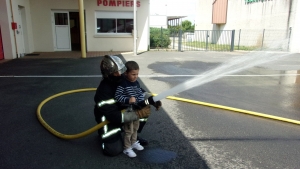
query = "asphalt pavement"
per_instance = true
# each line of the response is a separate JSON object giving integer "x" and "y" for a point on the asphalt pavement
{"x": 180, "y": 135}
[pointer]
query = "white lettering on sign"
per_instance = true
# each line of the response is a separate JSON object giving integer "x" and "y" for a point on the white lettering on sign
{"x": 117, "y": 3}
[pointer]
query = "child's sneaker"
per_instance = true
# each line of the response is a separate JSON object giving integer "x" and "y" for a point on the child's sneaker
{"x": 129, "y": 152}
{"x": 137, "y": 146}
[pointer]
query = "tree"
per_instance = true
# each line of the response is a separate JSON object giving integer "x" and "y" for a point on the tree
{"x": 187, "y": 25}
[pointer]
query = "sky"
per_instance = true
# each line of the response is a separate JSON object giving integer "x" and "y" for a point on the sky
{"x": 174, "y": 8}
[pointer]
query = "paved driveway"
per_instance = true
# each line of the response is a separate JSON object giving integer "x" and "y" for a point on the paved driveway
{"x": 181, "y": 135}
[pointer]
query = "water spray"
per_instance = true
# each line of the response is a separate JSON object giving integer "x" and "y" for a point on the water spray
{"x": 234, "y": 65}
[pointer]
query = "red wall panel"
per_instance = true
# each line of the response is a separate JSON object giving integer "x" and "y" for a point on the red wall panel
{"x": 219, "y": 14}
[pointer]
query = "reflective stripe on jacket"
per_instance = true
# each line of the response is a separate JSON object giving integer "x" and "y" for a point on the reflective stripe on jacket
{"x": 106, "y": 134}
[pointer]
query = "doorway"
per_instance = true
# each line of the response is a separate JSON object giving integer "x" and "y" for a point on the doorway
{"x": 1, "y": 47}
{"x": 21, "y": 34}
{"x": 61, "y": 31}
{"x": 23, "y": 30}
{"x": 66, "y": 31}
{"x": 75, "y": 31}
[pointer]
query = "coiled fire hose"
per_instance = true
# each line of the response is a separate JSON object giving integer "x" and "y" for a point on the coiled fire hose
{"x": 100, "y": 125}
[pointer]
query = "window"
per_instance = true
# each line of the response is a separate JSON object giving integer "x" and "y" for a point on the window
{"x": 61, "y": 18}
{"x": 114, "y": 25}
{"x": 114, "y": 22}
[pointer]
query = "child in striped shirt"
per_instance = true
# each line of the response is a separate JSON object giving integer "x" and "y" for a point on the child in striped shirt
{"x": 128, "y": 93}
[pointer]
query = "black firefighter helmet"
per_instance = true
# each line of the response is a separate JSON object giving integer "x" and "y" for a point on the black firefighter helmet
{"x": 110, "y": 65}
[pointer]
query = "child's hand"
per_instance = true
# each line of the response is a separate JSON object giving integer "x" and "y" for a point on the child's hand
{"x": 132, "y": 100}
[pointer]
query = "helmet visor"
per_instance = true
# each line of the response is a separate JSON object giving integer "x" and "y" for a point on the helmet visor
{"x": 120, "y": 65}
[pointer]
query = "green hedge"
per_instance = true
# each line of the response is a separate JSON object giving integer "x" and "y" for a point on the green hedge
{"x": 159, "y": 37}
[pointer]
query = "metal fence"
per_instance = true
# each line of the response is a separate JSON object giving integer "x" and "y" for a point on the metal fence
{"x": 229, "y": 40}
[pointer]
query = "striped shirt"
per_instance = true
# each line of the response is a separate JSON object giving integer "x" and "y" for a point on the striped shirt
{"x": 128, "y": 89}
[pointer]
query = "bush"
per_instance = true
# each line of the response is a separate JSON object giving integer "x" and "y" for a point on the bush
{"x": 159, "y": 37}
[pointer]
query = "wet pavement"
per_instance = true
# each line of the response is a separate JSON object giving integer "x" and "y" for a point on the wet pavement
{"x": 181, "y": 135}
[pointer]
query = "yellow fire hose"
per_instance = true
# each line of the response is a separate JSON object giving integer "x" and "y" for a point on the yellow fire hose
{"x": 58, "y": 134}
{"x": 100, "y": 125}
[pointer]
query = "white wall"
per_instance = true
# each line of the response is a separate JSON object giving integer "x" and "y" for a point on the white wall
{"x": 269, "y": 15}
{"x": 25, "y": 44}
{"x": 117, "y": 42}
{"x": 38, "y": 32}
{"x": 11, "y": 40}
{"x": 143, "y": 22}
{"x": 42, "y": 26}
{"x": 257, "y": 15}
{"x": 295, "y": 37}
{"x": 203, "y": 19}
{"x": 6, "y": 31}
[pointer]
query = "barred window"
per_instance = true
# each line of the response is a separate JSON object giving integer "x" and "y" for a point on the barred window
{"x": 114, "y": 22}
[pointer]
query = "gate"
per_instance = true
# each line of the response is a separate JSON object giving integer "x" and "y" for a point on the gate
{"x": 203, "y": 40}
{"x": 221, "y": 40}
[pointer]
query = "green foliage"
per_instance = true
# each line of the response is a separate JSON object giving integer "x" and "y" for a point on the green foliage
{"x": 187, "y": 26}
{"x": 159, "y": 37}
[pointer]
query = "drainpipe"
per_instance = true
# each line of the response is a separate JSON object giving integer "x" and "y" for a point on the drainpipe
{"x": 148, "y": 26}
{"x": 12, "y": 18}
{"x": 134, "y": 29}
{"x": 82, "y": 30}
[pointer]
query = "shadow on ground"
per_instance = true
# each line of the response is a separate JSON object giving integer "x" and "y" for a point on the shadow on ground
{"x": 25, "y": 143}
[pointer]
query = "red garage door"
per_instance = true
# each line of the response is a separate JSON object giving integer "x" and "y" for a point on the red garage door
{"x": 1, "y": 47}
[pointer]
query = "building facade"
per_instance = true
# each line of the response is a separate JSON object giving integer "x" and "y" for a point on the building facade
{"x": 54, "y": 25}
{"x": 280, "y": 18}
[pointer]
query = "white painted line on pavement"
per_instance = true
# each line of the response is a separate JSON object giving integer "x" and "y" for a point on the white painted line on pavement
{"x": 88, "y": 76}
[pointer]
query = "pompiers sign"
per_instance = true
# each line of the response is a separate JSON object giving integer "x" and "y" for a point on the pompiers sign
{"x": 251, "y": 1}
{"x": 117, "y": 3}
